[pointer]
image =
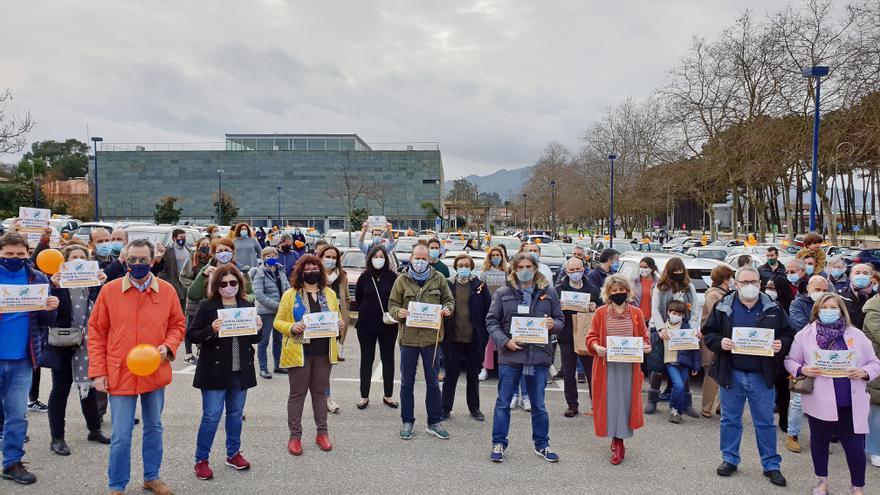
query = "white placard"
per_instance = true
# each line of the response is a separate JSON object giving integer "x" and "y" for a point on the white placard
{"x": 529, "y": 330}
{"x": 33, "y": 238}
{"x": 79, "y": 273}
{"x": 321, "y": 325}
{"x": 834, "y": 363}
{"x": 377, "y": 222}
{"x": 33, "y": 219}
{"x": 752, "y": 341}
{"x": 575, "y": 301}
{"x": 624, "y": 349}
{"x": 683, "y": 339}
{"x": 424, "y": 315}
{"x": 237, "y": 322}
{"x": 23, "y": 298}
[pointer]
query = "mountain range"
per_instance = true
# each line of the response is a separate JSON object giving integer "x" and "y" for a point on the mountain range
{"x": 505, "y": 182}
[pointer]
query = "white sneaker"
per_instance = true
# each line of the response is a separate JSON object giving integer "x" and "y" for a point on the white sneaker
{"x": 514, "y": 403}
{"x": 875, "y": 460}
{"x": 552, "y": 372}
{"x": 332, "y": 406}
{"x": 526, "y": 404}
{"x": 484, "y": 374}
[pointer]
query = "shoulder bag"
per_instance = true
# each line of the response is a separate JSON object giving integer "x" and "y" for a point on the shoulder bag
{"x": 801, "y": 385}
{"x": 386, "y": 316}
{"x": 65, "y": 337}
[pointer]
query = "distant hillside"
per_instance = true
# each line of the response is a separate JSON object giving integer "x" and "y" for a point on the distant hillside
{"x": 504, "y": 182}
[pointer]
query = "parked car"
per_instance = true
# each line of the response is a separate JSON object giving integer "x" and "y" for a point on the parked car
{"x": 726, "y": 243}
{"x": 478, "y": 256}
{"x": 85, "y": 229}
{"x": 539, "y": 238}
{"x": 871, "y": 256}
{"x": 511, "y": 244}
{"x": 64, "y": 225}
{"x": 712, "y": 253}
{"x": 453, "y": 241}
{"x": 676, "y": 245}
{"x": 553, "y": 256}
{"x": 354, "y": 264}
{"x": 567, "y": 248}
{"x": 161, "y": 234}
{"x": 403, "y": 249}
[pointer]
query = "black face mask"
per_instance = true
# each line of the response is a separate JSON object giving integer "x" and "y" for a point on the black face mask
{"x": 618, "y": 298}
{"x": 311, "y": 278}
{"x": 285, "y": 248}
{"x": 205, "y": 249}
{"x": 678, "y": 277}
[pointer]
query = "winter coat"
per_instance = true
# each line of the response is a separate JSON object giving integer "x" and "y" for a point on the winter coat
{"x": 266, "y": 293}
{"x": 52, "y": 357}
{"x": 214, "y": 369}
{"x": 290, "y": 312}
{"x": 799, "y": 312}
{"x": 871, "y": 329}
{"x": 406, "y": 290}
{"x": 478, "y": 307}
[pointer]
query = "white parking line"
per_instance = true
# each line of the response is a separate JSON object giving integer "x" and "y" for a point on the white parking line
{"x": 189, "y": 370}
{"x": 492, "y": 384}
{"x": 377, "y": 373}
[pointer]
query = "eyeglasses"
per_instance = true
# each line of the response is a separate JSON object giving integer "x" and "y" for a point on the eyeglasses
{"x": 230, "y": 283}
{"x": 137, "y": 261}
{"x": 748, "y": 282}
{"x": 312, "y": 273}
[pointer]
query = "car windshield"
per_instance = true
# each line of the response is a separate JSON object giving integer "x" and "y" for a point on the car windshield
{"x": 716, "y": 254}
{"x": 150, "y": 235}
{"x": 353, "y": 259}
{"x": 510, "y": 243}
{"x": 621, "y": 246}
{"x": 552, "y": 250}
{"x": 404, "y": 246}
{"x": 343, "y": 240}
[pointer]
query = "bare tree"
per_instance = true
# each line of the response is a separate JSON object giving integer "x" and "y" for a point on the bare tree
{"x": 13, "y": 129}
{"x": 348, "y": 186}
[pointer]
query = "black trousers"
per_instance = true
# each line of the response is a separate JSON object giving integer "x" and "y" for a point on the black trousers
{"x": 34, "y": 394}
{"x": 569, "y": 372}
{"x": 783, "y": 395}
{"x": 62, "y": 380}
{"x": 462, "y": 356}
{"x": 368, "y": 340}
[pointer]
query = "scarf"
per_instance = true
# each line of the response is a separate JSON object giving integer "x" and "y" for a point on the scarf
{"x": 80, "y": 309}
{"x": 829, "y": 337}
{"x": 419, "y": 277}
{"x": 527, "y": 294}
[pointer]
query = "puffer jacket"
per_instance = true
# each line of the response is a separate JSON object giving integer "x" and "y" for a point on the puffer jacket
{"x": 291, "y": 311}
{"x": 39, "y": 322}
{"x": 545, "y": 302}
{"x": 266, "y": 294}
{"x": 871, "y": 329}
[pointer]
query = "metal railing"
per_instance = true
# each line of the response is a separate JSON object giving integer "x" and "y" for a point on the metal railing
{"x": 223, "y": 146}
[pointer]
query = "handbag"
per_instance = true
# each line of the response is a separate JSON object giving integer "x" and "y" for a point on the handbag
{"x": 386, "y": 316}
{"x": 801, "y": 385}
{"x": 65, "y": 337}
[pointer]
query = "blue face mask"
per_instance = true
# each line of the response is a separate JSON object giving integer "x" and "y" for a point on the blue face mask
{"x": 861, "y": 281}
{"x": 535, "y": 256}
{"x": 330, "y": 264}
{"x": 243, "y": 233}
{"x": 138, "y": 271}
{"x": 829, "y": 316}
{"x": 836, "y": 272}
{"x": 525, "y": 275}
{"x": 377, "y": 240}
{"x": 116, "y": 247}
{"x": 576, "y": 276}
{"x": 12, "y": 264}
{"x": 495, "y": 260}
{"x": 792, "y": 277}
{"x": 434, "y": 253}
{"x": 809, "y": 269}
{"x": 419, "y": 266}
{"x": 615, "y": 266}
{"x": 270, "y": 261}
{"x": 105, "y": 249}
{"x": 463, "y": 272}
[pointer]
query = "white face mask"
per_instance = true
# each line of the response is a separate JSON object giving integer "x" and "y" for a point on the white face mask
{"x": 772, "y": 294}
{"x": 645, "y": 272}
{"x": 378, "y": 263}
{"x": 815, "y": 296}
{"x": 675, "y": 319}
{"x": 749, "y": 292}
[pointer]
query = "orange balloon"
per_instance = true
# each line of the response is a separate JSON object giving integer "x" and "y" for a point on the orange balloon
{"x": 49, "y": 261}
{"x": 299, "y": 244}
{"x": 143, "y": 359}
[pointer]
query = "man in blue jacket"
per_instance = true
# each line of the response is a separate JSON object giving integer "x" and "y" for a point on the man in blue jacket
{"x": 21, "y": 337}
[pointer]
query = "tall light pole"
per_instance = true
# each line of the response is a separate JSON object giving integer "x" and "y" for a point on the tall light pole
{"x": 219, "y": 194}
{"x": 816, "y": 73}
{"x": 611, "y": 158}
{"x": 553, "y": 205}
{"x": 526, "y": 222}
{"x": 279, "y": 205}
{"x": 95, "y": 141}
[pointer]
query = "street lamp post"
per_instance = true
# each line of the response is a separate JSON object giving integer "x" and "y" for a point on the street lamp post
{"x": 553, "y": 205}
{"x": 219, "y": 194}
{"x": 526, "y": 212}
{"x": 95, "y": 141}
{"x": 36, "y": 192}
{"x": 611, "y": 158}
{"x": 815, "y": 73}
{"x": 279, "y": 205}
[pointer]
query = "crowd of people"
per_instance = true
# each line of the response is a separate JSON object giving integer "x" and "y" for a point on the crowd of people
{"x": 163, "y": 296}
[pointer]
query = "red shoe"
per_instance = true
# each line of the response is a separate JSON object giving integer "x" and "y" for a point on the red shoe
{"x": 616, "y": 456}
{"x": 238, "y": 462}
{"x": 323, "y": 442}
{"x": 621, "y": 448}
{"x": 203, "y": 471}
{"x": 294, "y": 446}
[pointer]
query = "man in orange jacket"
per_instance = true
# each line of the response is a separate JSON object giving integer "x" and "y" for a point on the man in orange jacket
{"x": 135, "y": 309}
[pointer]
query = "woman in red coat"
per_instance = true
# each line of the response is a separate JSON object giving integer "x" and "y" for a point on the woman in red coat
{"x": 617, "y": 386}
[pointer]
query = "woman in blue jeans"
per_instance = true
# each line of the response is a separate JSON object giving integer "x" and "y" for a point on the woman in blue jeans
{"x": 225, "y": 369}
{"x": 269, "y": 283}
{"x": 679, "y": 363}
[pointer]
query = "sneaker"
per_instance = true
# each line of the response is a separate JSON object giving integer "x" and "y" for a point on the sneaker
{"x": 792, "y": 444}
{"x": 441, "y": 375}
{"x": 526, "y": 404}
{"x": 497, "y": 454}
{"x": 406, "y": 431}
{"x": 191, "y": 360}
{"x": 547, "y": 454}
{"x": 203, "y": 471}
{"x": 38, "y": 406}
{"x": 484, "y": 374}
{"x": 875, "y": 460}
{"x": 553, "y": 372}
{"x": 582, "y": 378}
{"x": 17, "y": 473}
{"x": 438, "y": 430}
{"x": 514, "y": 403}
{"x": 674, "y": 416}
{"x": 332, "y": 406}
{"x": 238, "y": 462}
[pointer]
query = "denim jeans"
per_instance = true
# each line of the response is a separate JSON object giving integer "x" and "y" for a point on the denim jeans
{"x": 122, "y": 408}
{"x": 15, "y": 383}
{"x": 509, "y": 377}
{"x": 795, "y": 415}
{"x": 748, "y": 386}
{"x": 409, "y": 359}
{"x": 678, "y": 375}
{"x": 269, "y": 332}
{"x": 213, "y": 402}
{"x": 872, "y": 440}
{"x": 521, "y": 391}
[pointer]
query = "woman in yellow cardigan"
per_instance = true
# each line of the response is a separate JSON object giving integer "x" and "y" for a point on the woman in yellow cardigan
{"x": 308, "y": 360}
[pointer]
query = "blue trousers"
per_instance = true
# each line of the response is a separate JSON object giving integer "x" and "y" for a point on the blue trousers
{"x": 122, "y": 408}
{"x": 213, "y": 403}
{"x": 15, "y": 383}
{"x": 508, "y": 381}
{"x": 409, "y": 359}
{"x": 749, "y": 386}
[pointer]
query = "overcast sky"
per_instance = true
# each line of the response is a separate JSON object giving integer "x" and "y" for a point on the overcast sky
{"x": 492, "y": 81}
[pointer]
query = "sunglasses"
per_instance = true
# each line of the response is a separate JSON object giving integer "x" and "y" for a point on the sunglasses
{"x": 231, "y": 283}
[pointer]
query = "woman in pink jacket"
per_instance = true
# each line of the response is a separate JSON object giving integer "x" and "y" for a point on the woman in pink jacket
{"x": 838, "y": 404}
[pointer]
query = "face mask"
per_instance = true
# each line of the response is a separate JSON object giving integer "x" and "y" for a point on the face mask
{"x": 139, "y": 271}
{"x": 243, "y": 233}
{"x": 772, "y": 261}
{"x": 615, "y": 267}
{"x": 181, "y": 242}
{"x": 809, "y": 269}
{"x": 535, "y": 256}
{"x": 829, "y": 315}
{"x": 378, "y": 263}
{"x": 675, "y": 319}
{"x": 116, "y": 247}
{"x": 311, "y": 278}
{"x": 103, "y": 250}
{"x": 525, "y": 275}
{"x": 792, "y": 277}
{"x": 270, "y": 261}
{"x": 678, "y": 277}
{"x": 730, "y": 283}
{"x": 815, "y": 296}
{"x": 419, "y": 265}
{"x": 377, "y": 240}
{"x": 495, "y": 260}
{"x": 463, "y": 272}
{"x": 618, "y": 298}
{"x": 12, "y": 264}
{"x": 749, "y": 292}
{"x": 434, "y": 253}
{"x": 205, "y": 249}
{"x": 645, "y": 272}
{"x": 576, "y": 276}
{"x": 860, "y": 281}
{"x": 228, "y": 291}
{"x": 330, "y": 264}
{"x": 772, "y": 294}
{"x": 223, "y": 257}
{"x": 836, "y": 272}
{"x": 285, "y": 248}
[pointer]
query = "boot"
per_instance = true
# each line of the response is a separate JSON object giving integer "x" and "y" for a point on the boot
{"x": 653, "y": 397}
